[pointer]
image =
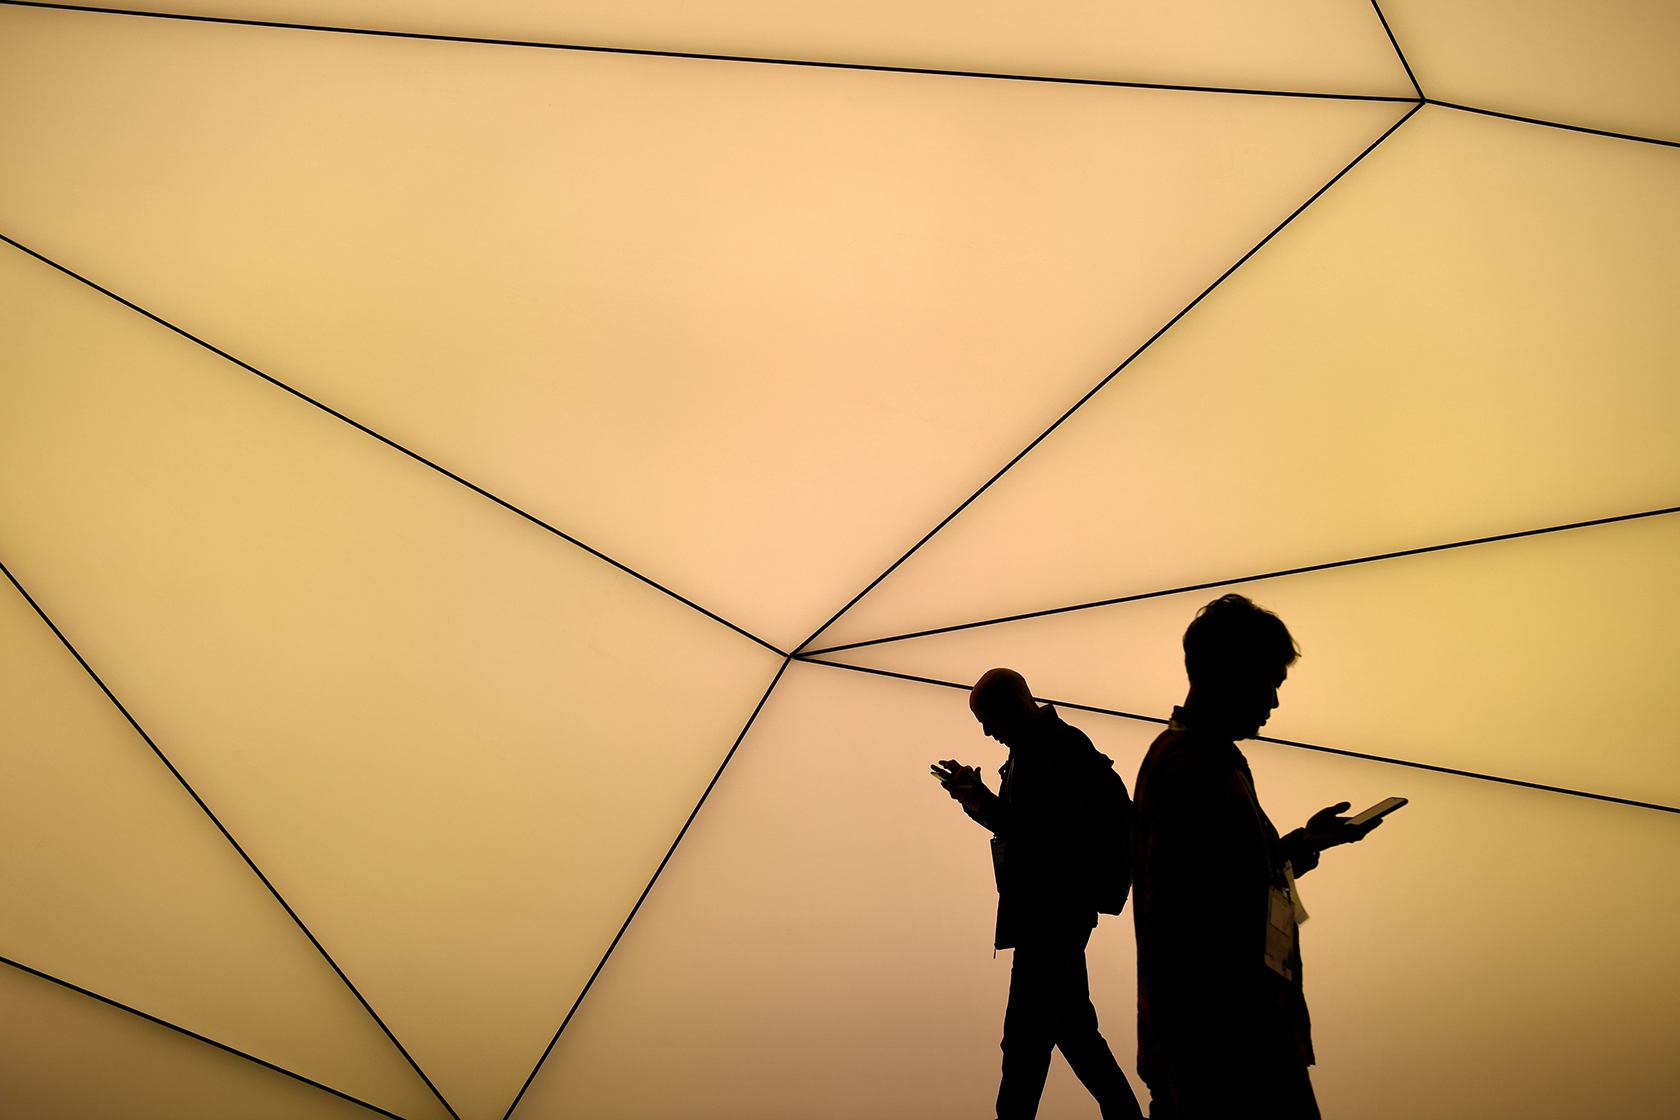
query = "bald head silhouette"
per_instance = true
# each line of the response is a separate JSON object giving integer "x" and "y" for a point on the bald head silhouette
{"x": 1004, "y": 705}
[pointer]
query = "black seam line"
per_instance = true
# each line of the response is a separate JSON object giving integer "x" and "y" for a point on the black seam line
{"x": 634, "y": 910}
{"x": 1535, "y": 120}
{"x": 1244, "y": 579}
{"x": 1042, "y": 436}
{"x": 391, "y": 443}
{"x": 1395, "y": 43}
{"x": 228, "y": 836}
{"x": 873, "y": 68}
{"x": 1268, "y": 739}
{"x": 201, "y": 1038}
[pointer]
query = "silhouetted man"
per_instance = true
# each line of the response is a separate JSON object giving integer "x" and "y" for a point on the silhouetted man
{"x": 1061, "y": 823}
{"x": 1222, "y": 1022}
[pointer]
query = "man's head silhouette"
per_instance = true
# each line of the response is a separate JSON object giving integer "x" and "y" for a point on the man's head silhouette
{"x": 1003, "y": 704}
{"x": 1237, "y": 655}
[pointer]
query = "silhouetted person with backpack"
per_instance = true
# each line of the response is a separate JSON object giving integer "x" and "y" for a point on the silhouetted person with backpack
{"x": 1061, "y": 826}
{"x": 1223, "y": 1032}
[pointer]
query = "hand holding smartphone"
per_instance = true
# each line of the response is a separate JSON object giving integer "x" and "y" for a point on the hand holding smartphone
{"x": 1376, "y": 812}
{"x": 1327, "y": 828}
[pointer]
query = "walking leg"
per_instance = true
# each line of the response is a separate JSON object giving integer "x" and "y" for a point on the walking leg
{"x": 1082, "y": 1043}
{"x": 1029, "y": 1032}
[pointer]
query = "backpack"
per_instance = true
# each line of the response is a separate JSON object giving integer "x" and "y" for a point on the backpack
{"x": 1109, "y": 839}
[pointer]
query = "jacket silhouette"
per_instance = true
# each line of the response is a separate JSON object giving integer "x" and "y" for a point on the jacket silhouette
{"x": 1206, "y": 860}
{"x": 1223, "y": 1032}
{"x": 1051, "y": 822}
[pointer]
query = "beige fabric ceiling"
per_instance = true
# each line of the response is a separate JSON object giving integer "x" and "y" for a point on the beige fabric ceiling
{"x": 459, "y": 468}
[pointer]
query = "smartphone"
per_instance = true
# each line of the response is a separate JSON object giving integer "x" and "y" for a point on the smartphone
{"x": 1381, "y": 809}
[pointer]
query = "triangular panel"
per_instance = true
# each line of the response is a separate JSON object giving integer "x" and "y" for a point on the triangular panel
{"x": 1607, "y": 65}
{"x": 425, "y": 718}
{"x": 820, "y": 945}
{"x": 1470, "y": 334}
{"x": 64, "y": 1055}
{"x": 1550, "y": 659}
{"x": 115, "y": 880}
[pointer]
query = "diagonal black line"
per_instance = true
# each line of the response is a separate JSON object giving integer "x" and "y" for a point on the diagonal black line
{"x": 201, "y": 1038}
{"x": 1150, "y": 341}
{"x": 1549, "y": 124}
{"x": 683, "y": 831}
{"x": 1242, "y": 579}
{"x": 1471, "y": 774}
{"x": 806, "y": 659}
{"x": 809, "y": 659}
{"x": 388, "y": 442}
{"x": 1395, "y": 43}
{"x": 704, "y": 57}
{"x": 228, "y": 836}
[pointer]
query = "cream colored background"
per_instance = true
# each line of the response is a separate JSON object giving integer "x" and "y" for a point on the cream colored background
{"x": 752, "y": 330}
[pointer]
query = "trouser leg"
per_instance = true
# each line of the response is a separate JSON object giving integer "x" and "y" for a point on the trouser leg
{"x": 1050, "y": 1006}
{"x": 1029, "y": 1031}
{"x": 1083, "y": 1045}
{"x": 1275, "y": 1089}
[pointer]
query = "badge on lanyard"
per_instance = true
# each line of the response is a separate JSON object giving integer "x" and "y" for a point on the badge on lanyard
{"x": 1280, "y": 932}
{"x": 1284, "y": 915}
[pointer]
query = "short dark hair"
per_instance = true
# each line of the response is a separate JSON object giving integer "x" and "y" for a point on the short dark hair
{"x": 1231, "y": 639}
